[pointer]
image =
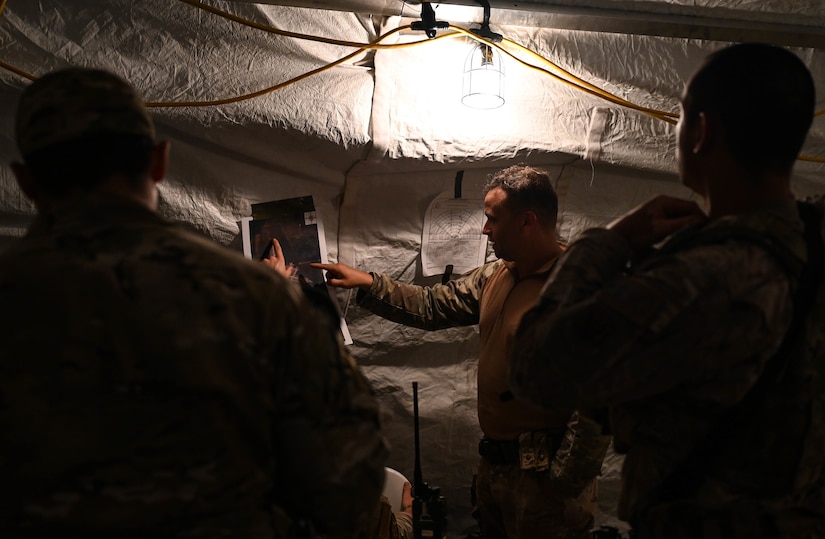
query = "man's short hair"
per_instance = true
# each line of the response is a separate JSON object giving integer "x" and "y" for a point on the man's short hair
{"x": 527, "y": 188}
{"x": 76, "y": 127}
{"x": 764, "y": 96}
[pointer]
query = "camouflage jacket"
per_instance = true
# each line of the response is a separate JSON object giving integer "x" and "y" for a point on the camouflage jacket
{"x": 671, "y": 343}
{"x": 155, "y": 384}
{"x": 455, "y": 303}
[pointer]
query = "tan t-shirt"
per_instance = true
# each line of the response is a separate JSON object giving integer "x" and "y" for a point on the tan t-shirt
{"x": 504, "y": 300}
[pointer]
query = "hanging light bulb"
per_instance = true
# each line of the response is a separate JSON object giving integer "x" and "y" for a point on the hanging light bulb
{"x": 483, "y": 78}
{"x": 483, "y": 69}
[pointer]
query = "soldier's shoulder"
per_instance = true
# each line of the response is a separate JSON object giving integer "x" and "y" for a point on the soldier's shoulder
{"x": 207, "y": 255}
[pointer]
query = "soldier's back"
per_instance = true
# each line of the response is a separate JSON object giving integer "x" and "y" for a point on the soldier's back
{"x": 139, "y": 377}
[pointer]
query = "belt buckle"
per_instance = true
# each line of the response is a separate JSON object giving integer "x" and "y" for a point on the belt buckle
{"x": 541, "y": 445}
{"x": 534, "y": 450}
{"x": 526, "y": 451}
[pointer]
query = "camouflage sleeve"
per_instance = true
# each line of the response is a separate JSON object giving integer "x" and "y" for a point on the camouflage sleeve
{"x": 435, "y": 307}
{"x": 331, "y": 452}
{"x": 404, "y": 525}
{"x": 600, "y": 335}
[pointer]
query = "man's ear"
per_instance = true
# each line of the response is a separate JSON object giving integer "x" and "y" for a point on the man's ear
{"x": 26, "y": 181}
{"x": 530, "y": 218}
{"x": 160, "y": 161}
{"x": 706, "y": 132}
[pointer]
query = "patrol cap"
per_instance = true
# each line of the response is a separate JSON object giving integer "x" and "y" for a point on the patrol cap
{"x": 73, "y": 103}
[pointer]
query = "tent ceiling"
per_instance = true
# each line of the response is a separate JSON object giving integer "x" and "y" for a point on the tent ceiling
{"x": 799, "y": 23}
{"x": 397, "y": 105}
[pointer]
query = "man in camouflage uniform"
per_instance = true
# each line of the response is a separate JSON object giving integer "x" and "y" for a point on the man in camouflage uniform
{"x": 522, "y": 491}
{"x": 709, "y": 350}
{"x": 153, "y": 383}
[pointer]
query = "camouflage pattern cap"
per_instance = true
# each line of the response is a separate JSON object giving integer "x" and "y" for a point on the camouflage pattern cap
{"x": 69, "y": 104}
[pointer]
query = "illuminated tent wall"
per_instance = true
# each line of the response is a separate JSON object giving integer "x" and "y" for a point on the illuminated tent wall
{"x": 377, "y": 137}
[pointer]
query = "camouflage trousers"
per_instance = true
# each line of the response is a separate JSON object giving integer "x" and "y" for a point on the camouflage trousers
{"x": 515, "y": 504}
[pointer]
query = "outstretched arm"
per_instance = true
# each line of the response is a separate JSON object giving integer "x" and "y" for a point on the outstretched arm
{"x": 343, "y": 276}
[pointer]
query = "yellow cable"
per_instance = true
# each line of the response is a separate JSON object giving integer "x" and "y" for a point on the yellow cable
{"x": 17, "y": 71}
{"x": 275, "y": 87}
{"x": 567, "y": 78}
{"x": 591, "y": 86}
{"x": 560, "y": 74}
{"x": 593, "y": 90}
{"x": 811, "y": 159}
{"x": 374, "y": 45}
{"x": 572, "y": 81}
{"x": 458, "y": 31}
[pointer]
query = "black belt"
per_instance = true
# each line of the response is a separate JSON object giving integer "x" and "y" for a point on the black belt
{"x": 531, "y": 451}
{"x": 499, "y": 452}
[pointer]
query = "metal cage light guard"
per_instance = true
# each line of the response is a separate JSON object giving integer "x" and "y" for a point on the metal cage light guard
{"x": 483, "y": 70}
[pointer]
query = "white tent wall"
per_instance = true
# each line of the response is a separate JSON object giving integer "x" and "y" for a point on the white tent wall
{"x": 374, "y": 141}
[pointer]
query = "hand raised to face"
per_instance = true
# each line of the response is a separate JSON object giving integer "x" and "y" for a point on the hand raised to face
{"x": 657, "y": 219}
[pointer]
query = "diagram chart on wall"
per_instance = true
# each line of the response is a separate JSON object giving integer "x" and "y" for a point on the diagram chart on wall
{"x": 452, "y": 235}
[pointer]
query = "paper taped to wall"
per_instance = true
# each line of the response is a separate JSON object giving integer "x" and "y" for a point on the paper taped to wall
{"x": 452, "y": 235}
